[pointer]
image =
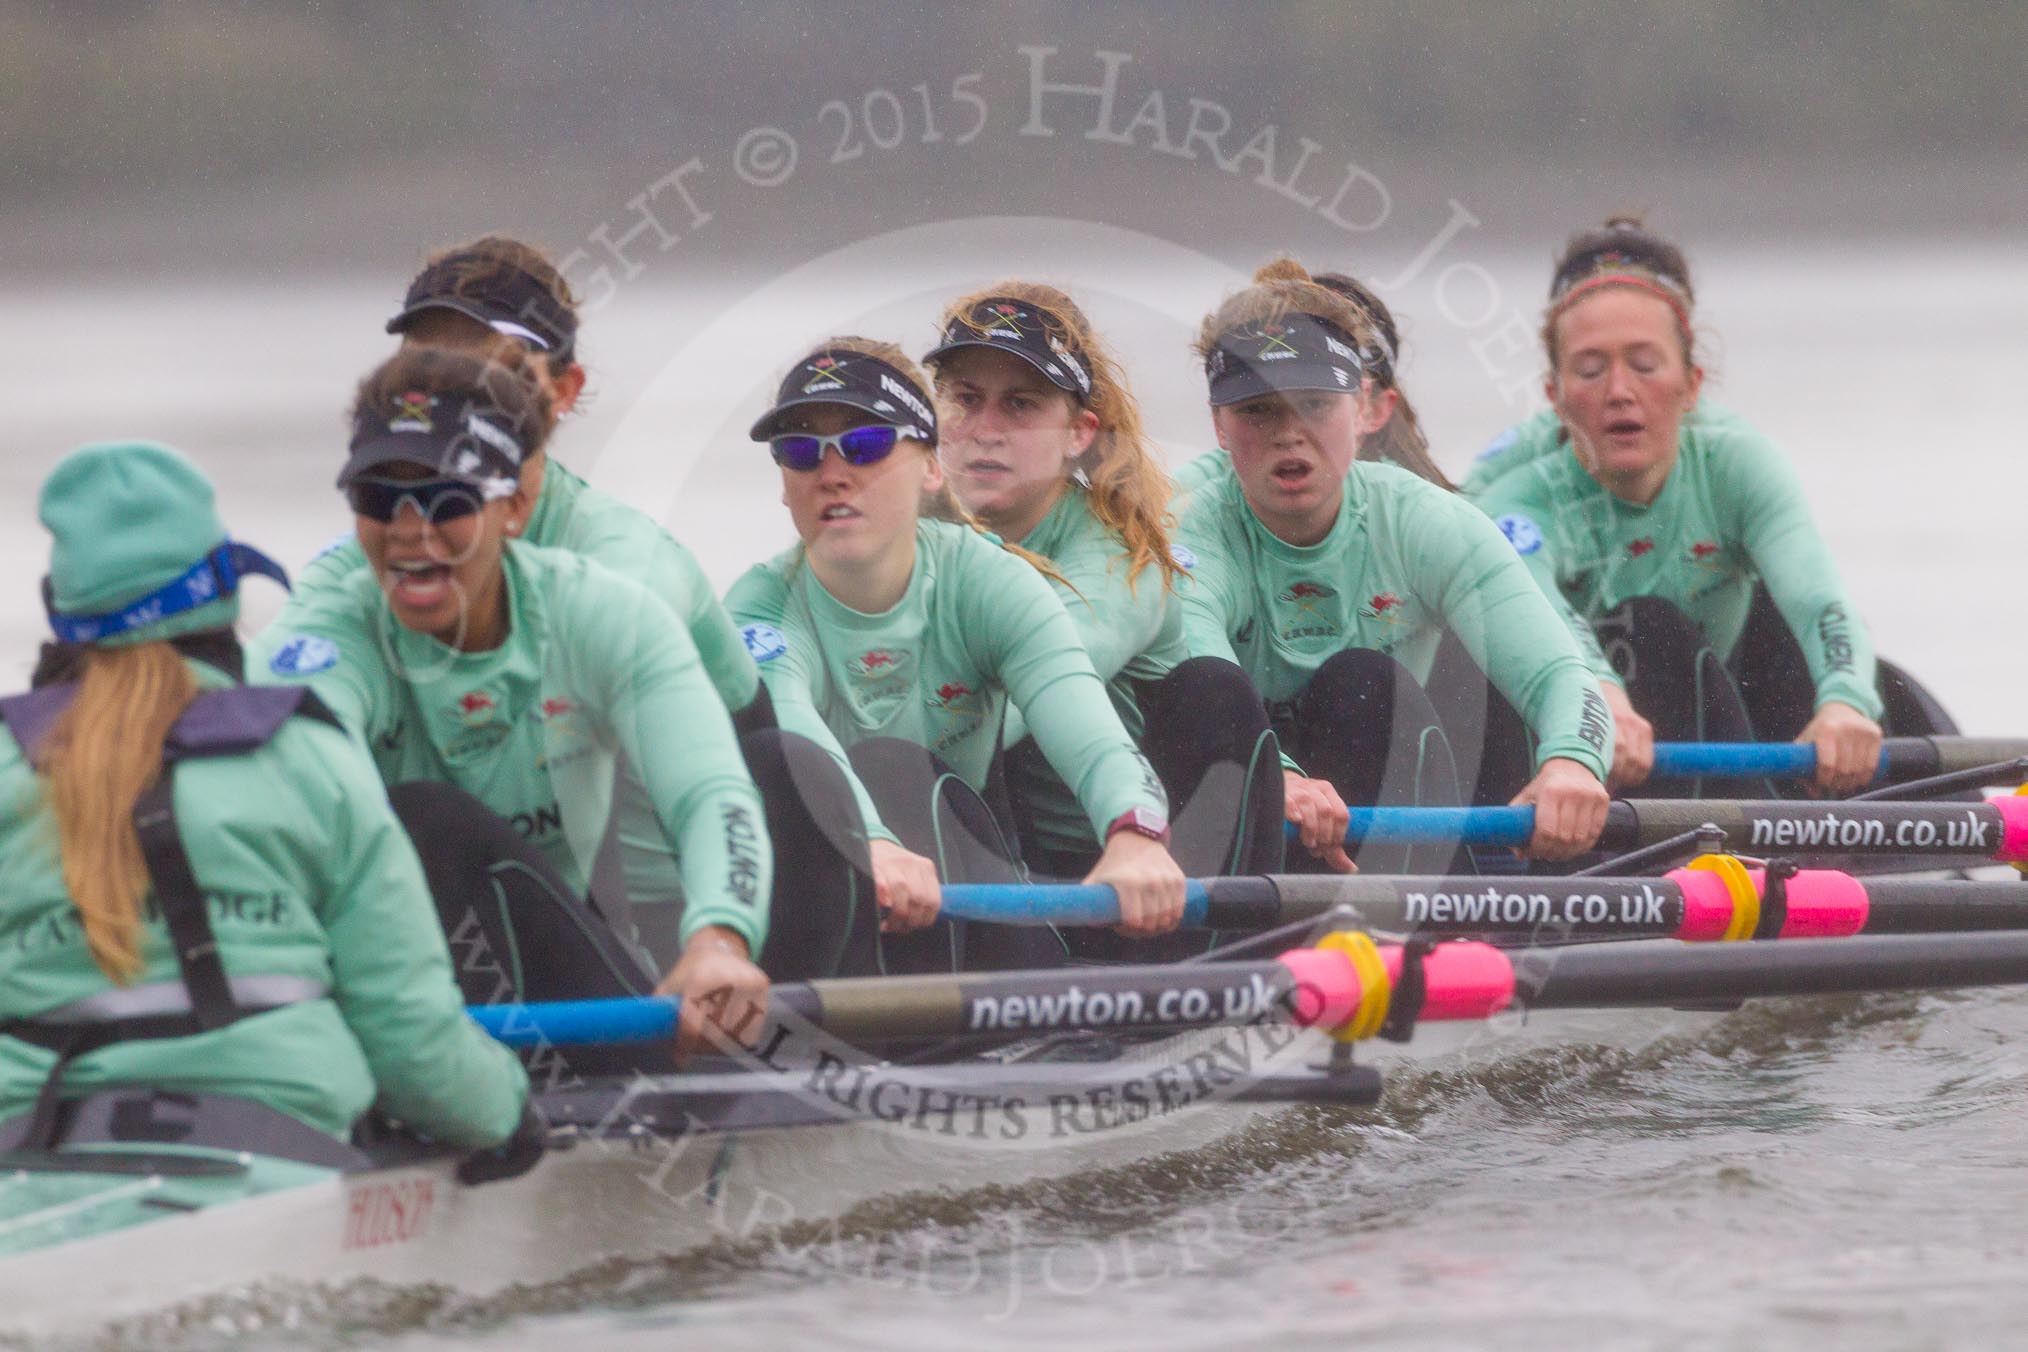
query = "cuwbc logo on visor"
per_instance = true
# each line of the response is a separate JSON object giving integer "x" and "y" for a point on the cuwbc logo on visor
{"x": 1275, "y": 345}
{"x": 412, "y": 413}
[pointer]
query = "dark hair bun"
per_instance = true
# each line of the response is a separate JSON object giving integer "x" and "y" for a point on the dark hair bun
{"x": 1624, "y": 240}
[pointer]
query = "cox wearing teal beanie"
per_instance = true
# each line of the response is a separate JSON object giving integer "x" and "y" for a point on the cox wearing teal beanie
{"x": 140, "y": 783}
{"x": 138, "y": 552}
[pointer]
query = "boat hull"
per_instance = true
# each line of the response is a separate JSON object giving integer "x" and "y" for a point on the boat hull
{"x": 614, "y": 1196}
{"x": 630, "y": 1193}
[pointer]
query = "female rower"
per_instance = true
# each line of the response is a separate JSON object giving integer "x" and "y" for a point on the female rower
{"x": 908, "y": 638}
{"x": 1042, "y": 443}
{"x": 1396, "y": 435}
{"x": 495, "y": 683}
{"x": 1331, "y": 581}
{"x": 201, "y": 886}
{"x": 1659, "y": 520}
{"x": 1488, "y": 743}
{"x": 1623, "y": 239}
{"x": 1488, "y": 738}
{"x": 495, "y": 295}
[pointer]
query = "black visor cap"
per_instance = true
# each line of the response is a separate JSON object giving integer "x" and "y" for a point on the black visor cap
{"x": 835, "y": 376}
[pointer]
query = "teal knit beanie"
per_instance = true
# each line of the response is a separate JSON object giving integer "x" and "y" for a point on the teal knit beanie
{"x": 135, "y": 525}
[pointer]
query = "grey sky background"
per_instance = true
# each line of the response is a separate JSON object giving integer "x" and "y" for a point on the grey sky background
{"x": 209, "y": 137}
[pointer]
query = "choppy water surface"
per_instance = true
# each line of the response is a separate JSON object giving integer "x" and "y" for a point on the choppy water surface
{"x": 1789, "y": 1175}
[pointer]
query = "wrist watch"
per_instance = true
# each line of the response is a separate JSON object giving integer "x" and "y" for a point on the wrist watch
{"x": 1142, "y": 822}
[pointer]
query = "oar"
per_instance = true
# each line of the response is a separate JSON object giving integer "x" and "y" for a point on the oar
{"x": 1304, "y": 986}
{"x": 577, "y": 1023}
{"x": 1704, "y": 903}
{"x": 1220, "y": 903}
{"x": 1629, "y": 975}
{"x": 1996, "y": 829}
{"x": 1345, "y": 985}
{"x": 1900, "y": 757}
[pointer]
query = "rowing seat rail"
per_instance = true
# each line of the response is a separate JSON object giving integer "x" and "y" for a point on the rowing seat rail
{"x": 230, "y": 722}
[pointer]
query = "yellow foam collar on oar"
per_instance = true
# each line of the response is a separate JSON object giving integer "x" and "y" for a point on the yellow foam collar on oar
{"x": 1745, "y": 898}
{"x": 1375, "y": 990}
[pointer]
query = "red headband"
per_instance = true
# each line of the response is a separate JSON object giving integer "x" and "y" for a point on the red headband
{"x": 1624, "y": 279}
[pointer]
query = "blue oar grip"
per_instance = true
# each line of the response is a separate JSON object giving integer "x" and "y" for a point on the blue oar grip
{"x": 1794, "y": 760}
{"x": 1461, "y": 825}
{"x": 1512, "y": 826}
{"x": 648, "y": 1018}
{"x": 1020, "y": 904}
{"x": 1465, "y": 825}
{"x": 1688, "y": 759}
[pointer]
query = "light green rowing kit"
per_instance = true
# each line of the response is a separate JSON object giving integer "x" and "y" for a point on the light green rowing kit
{"x": 978, "y": 634}
{"x": 1731, "y": 514}
{"x": 591, "y": 668}
{"x": 1403, "y": 562}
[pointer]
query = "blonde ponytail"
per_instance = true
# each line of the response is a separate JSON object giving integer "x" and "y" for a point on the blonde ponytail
{"x": 102, "y": 755}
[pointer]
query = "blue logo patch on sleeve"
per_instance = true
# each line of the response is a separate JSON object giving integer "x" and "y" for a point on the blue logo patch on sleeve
{"x": 304, "y": 655}
{"x": 1186, "y": 557}
{"x": 1521, "y": 532}
{"x": 764, "y": 642}
{"x": 1499, "y": 444}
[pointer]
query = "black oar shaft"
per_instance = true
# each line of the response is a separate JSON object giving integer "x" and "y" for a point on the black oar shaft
{"x": 1164, "y": 997}
{"x": 1538, "y": 908}
{"x": 1971, "y": 829}
{"x": 1920, "y": 757}
{"x": 1935, "y": 906}
{"x": 1525, "y": 909}
{"x": 1671, "y": 974}
{"x": 1993, "y": 829}
{"x": 1343, "y": 984}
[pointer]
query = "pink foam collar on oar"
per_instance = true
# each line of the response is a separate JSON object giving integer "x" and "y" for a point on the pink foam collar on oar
{"x": 1822, "y": 903}
{"x": 1707, "y": 905}
{"x": 2013, "y": 810}
{"x": 1327, "y": 987}
{"x": 1462, "y": 980}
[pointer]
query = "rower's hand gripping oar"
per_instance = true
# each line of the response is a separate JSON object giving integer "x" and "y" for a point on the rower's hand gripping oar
{"x": 1343, "y": 984}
